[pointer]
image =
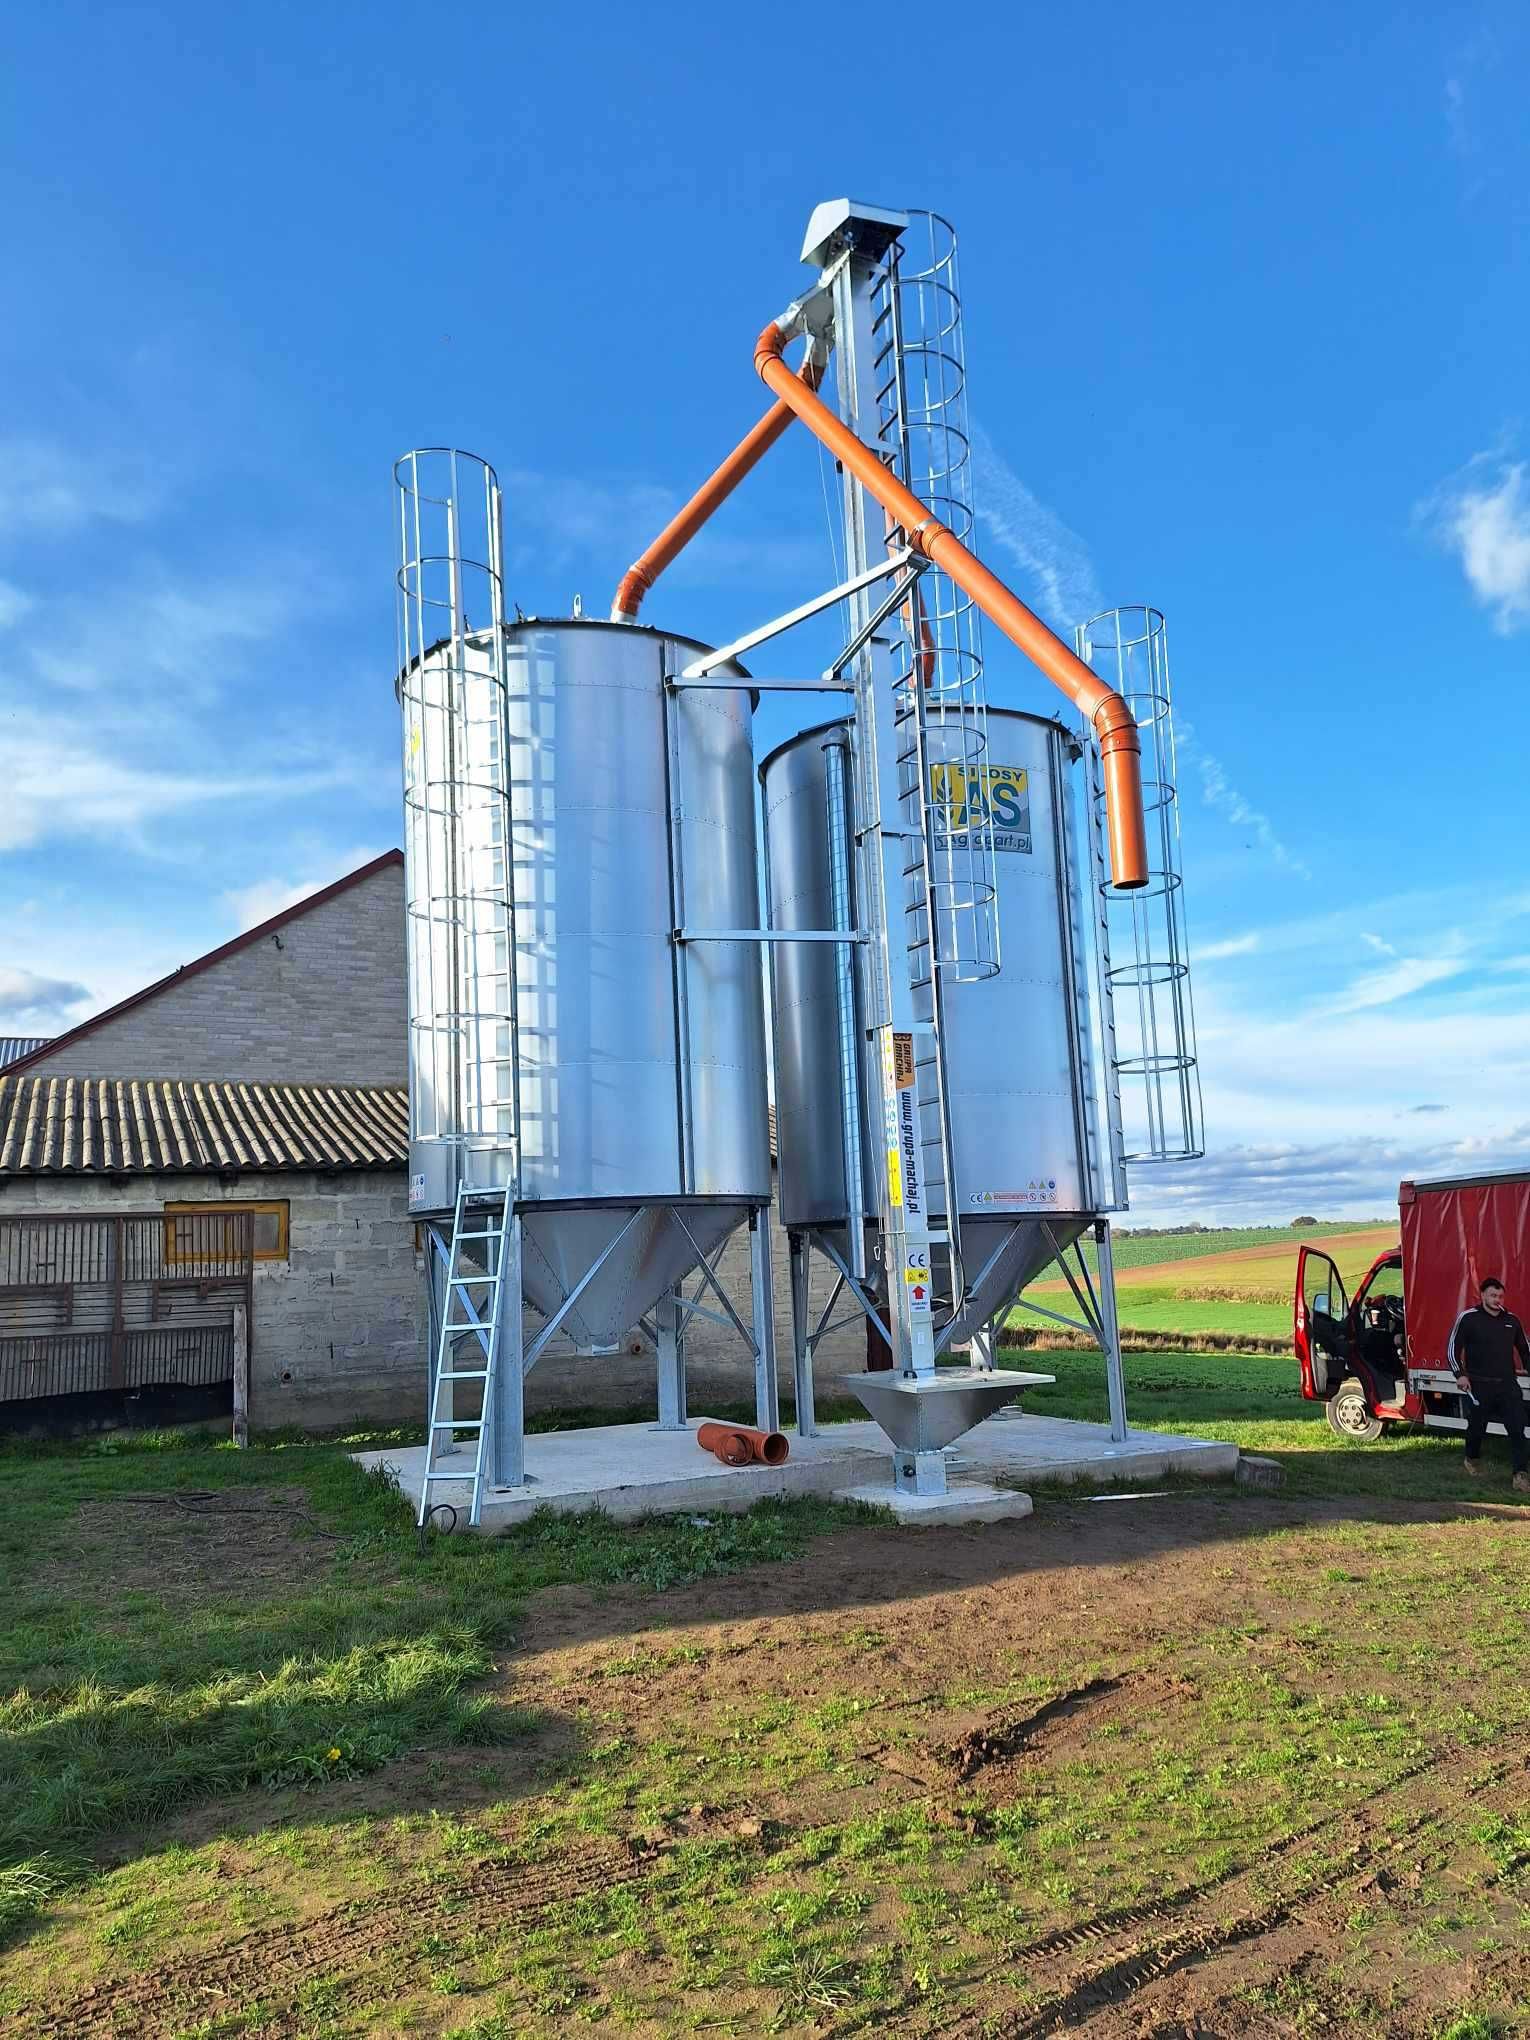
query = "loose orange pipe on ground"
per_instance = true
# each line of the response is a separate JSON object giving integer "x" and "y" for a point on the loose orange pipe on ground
{"x": 715, "y": 490}
{"x": 740, "y": 1445}
{"x": 1112, "y": 720}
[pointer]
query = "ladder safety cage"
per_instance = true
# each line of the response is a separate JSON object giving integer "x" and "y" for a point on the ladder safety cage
{"x": 1142, "y": 957}
{"x": 920, "y": 407}
{"x": 459, "y": 896}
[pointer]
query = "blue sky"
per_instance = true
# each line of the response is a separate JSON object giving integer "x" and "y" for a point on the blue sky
{"x": 1248, "y": 323}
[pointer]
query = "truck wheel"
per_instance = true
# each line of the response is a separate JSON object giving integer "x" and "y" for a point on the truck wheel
{"x": 1350, "y": 1416}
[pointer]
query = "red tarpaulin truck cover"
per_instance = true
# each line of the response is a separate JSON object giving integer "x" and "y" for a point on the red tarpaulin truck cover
{"x": 1454, "y": 1232}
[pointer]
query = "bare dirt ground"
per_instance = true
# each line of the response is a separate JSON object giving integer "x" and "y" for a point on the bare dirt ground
{"x": 181, "y": 1546}
{"x": 1353, "y": 1917}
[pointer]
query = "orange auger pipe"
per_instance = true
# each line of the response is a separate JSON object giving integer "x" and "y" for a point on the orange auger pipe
{"x": 740, "y": 1445}
{"x": 1112, "y": 720}
{"x": 715, "y": 490}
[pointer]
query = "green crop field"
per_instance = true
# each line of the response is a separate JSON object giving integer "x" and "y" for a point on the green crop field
{"x": 1231, "y": 1284}
{"x": 1143, "y": 1250}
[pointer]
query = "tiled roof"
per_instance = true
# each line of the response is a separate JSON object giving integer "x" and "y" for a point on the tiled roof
{"x": 99, "y": 1126}
{"x": 14, "y": 1046}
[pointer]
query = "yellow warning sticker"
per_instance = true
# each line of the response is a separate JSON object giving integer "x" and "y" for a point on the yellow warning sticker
{"x": 894, "y": 1178}
{"x": 916, "y": 1274}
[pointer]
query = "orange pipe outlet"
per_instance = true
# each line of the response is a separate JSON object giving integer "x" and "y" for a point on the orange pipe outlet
{"x": 738, "y": 1445}
{"x": 1108, "y": 713}
{"x": 714, "y": 492}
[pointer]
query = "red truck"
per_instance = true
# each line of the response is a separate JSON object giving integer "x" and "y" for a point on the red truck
{"x": 1384, "y": 1358}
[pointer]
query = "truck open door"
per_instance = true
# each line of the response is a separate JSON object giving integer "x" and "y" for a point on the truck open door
{"x": 1321, "y": 1323}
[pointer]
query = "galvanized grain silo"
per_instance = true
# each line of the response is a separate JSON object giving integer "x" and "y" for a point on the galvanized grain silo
{"x": 587, "y": 1085}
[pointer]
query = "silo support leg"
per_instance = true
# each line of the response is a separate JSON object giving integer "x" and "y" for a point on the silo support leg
{"x": 802, "y": 1343}
{"x": 507, "y": 1433}
{"x": 767, "y": 1397}
{"x": 669, "y": 1326}
{"x": 1110, "y": 1332}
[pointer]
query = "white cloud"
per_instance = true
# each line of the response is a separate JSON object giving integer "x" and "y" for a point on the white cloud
{"x": 1054, "y": 559}
{"x": 59, "y": 786}
{"x": 1331, "y": 1092}
{"x": 141, "y": 639}
{"x": 1219, "y": 793}
{"x": 30, "y": 1003}
{"x": 159, "y": 660}
{"x": 252, "y": 904}
{"x": 47, "y": 489}
{"x": 1382, "y": 948}
{"x": 1355, "y": 1177}
{"x": 1235, "y": 945}
{"x": 14, "y": 604}
{"x": 1058, "y": 564}
{"x": 1399, "y": 981}
{"x": 1484, "y": 519}
{"x": 1455, "y": 116}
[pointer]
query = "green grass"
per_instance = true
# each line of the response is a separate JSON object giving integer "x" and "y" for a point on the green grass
{"x": 121, "y": 1708}
{"x": 868, "y": 1901}
{"x": 1161, "y": 1310}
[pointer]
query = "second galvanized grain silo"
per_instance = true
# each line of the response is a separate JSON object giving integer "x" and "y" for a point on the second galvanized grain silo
{"x": 1018, "y": 1063}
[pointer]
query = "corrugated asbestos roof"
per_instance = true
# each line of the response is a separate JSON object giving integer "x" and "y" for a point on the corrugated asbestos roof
{"x": 105, "y": 1126}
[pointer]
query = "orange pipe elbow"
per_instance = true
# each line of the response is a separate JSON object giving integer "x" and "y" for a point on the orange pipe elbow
{"x": 714, "y": 492}
{"x": 739, "y": 1445}
{"x": 1107, "y": 711}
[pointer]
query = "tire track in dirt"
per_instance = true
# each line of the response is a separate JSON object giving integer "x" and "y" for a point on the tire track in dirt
{"x": 1361, "y": 1839}
{"x": 269, "y": 1967}
{"x": 1135, "y": 1947}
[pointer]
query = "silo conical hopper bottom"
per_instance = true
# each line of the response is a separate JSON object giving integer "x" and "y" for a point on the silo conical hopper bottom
{"x": 559, "y": 1245}
{"x": 1001, "y": 1255}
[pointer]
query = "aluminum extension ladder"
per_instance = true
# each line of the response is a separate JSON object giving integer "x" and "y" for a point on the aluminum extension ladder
{"x": 479, "y": 1227}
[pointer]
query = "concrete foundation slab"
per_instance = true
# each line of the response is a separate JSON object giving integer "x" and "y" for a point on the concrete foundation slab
{"x": 633, "y": 1470}
{"x": 966, "y": 1502}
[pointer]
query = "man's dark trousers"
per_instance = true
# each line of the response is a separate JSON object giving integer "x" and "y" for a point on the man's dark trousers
{"x": 1498, "y": 1402}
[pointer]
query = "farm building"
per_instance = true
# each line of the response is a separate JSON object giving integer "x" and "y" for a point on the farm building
{"x": 234, "y": 1134}
{"x": 238, "y": 1131}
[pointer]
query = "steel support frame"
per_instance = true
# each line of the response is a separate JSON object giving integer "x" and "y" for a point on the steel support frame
{"x": 1097, "y": 1303}
{"x": 760, "y": 1334}
{"x": 1100, "y": 1319}
{"x": 506, "y": 1453}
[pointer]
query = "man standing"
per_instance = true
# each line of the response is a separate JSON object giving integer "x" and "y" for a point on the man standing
{"x": 1482, "y": 1352}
